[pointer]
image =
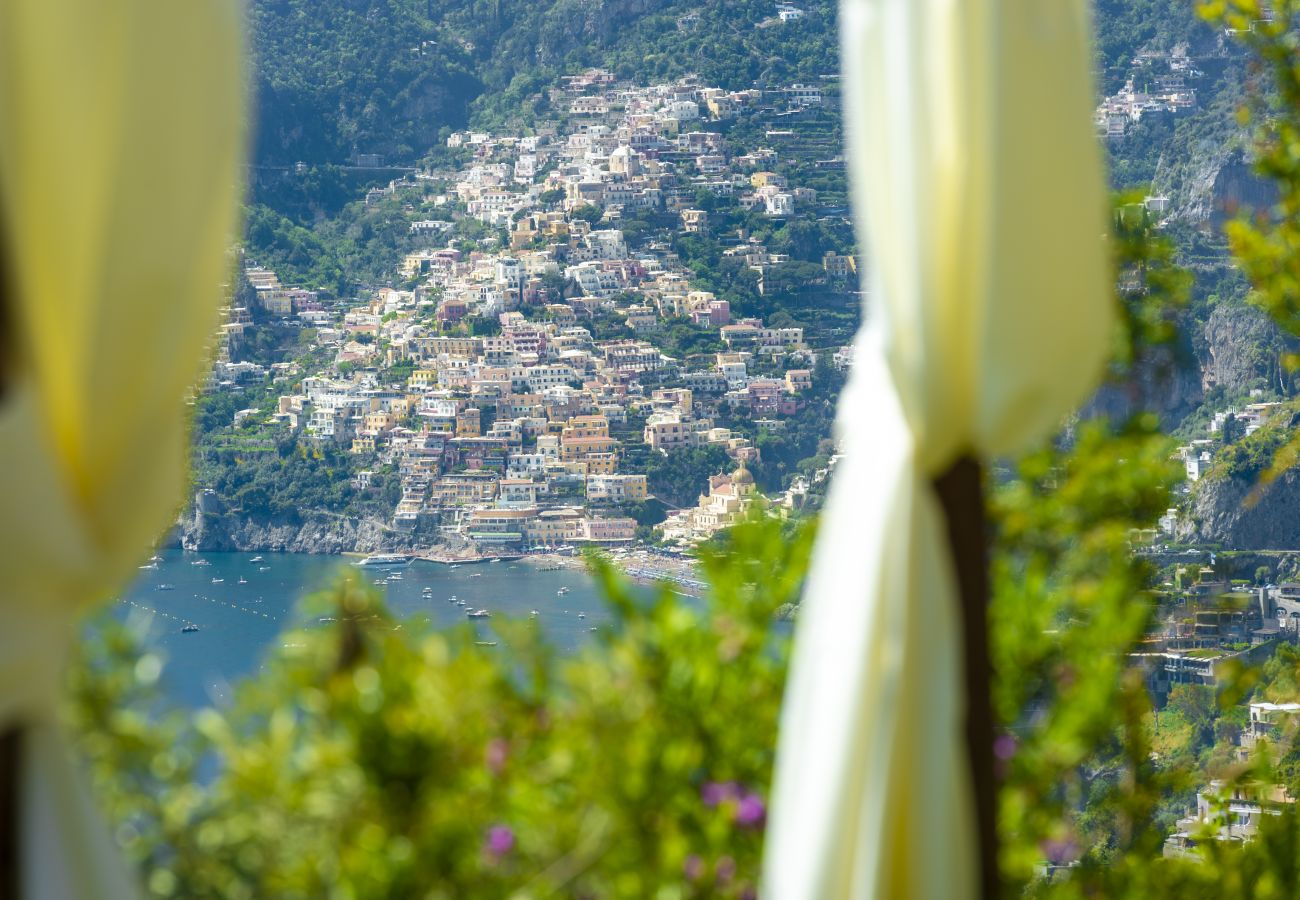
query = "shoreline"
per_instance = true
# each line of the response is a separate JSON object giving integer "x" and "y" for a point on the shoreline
{"x": 640, "y": 565}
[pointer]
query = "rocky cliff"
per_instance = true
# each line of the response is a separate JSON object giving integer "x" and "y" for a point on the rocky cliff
{"x": 208, "y": 526}
{"x": 1241, "y": 349}
{"x": 1229, "y": 511}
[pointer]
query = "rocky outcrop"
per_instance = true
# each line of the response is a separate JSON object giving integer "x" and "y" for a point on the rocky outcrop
{"x": 207, "y": 526}
{"x": 1238, "y": 349}
{"x": 1167, "y": 383}
{"x": 1242, "y": 350}
{"x": 1240, "y": 514}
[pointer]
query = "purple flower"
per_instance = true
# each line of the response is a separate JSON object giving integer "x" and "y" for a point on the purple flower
{"x": 1004, "y": 746}
{"x": 1059, "y": 851}
{"x": 693, "y": 868}
{"x": 715, "y": 793}
{"x": 750, "y": 811}
{"x": 498, "y": 751}
{"x": 726, "y": 869}
{"x": 500, "y": 840}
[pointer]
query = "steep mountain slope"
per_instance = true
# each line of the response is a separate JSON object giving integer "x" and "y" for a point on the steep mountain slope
{"x": 334, "y": 78}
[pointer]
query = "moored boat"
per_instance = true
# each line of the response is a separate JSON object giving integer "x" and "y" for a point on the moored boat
{"x": 386, "y": 560}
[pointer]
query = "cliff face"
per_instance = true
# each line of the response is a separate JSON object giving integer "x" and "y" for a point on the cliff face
{"x": 208, "y": 526}
{"x": 1226, "y": 511}
{"x": 1168, "y": 384}
{"x": 1239, "y": 348}
{"x": 1242, "y": 349}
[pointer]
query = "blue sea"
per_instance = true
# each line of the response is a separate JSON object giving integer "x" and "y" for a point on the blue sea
{"x": 238, "y": 622}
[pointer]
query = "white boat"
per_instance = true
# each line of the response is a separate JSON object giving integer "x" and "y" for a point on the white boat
{"x": 477, "y": 613}
{"x": 218, "y": 581}
{"x": 189, "y": 629}
{"x": 564, "y": 590}
{"x": 582, "y": 615}
{"x": 149, "y": 566}
{"x": 263, "y": 568}
{"x": 155, "y": 558}
{"x": 427, "y": 591}
{"x": 534, "y": 613}
{"x": 386, "y": 560}
{"x": 243, "y": 580}
{"x": 256, "y": 559}
{"x": 396, "y": 576}
{"x": 452, "y": 599}
{"x": 165, "y": 587}
{"x": 200, "y": 562}
{"x": 380, "y": 581}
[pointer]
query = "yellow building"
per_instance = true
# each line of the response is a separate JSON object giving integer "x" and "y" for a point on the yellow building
{"x": 469, "y": 422}
{"x": 729, "y": 498}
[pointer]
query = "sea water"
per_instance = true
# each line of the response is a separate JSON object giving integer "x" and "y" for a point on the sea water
{"x": 238, "y": 623}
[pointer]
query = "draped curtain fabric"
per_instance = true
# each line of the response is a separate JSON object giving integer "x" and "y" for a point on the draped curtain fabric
{"x": 980, "y": 203}
{"x": 120, "y": 142}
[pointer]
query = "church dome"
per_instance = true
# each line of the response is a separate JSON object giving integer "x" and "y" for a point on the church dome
{"x": 742, "y": 476}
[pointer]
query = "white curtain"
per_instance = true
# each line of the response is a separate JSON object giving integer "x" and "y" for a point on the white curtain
{"x": 981, "y": 209}
{"x": 120, "y": 140}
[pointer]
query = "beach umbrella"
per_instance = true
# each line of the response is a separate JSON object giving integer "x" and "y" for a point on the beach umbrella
{"x": 120, "y": 141}
{"x": 981, "y": 210}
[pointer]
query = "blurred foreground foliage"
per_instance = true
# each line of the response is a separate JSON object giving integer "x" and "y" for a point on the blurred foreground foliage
{"x": 376, "y": 758}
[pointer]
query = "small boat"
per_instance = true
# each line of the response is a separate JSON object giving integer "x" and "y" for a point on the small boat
{"x": 534, "y": 613}
{"x": 256, "y": 559}
{"x": 452, "y": 599}
{"x": 427, "y": 591}
{"x": 243, "y": 580}
{"x": 477, "y": 575}
{"x": 495, "y": 559}
{"x": 564, "y": 590}
{"x": 149, "y": 566}
{"x": 592, "y": 628}
{"x": 189, "y": 629}
{"x": 396, "y": 576}
{"x": 263, "y": 568}
{"x": 454, "y": 566}
{"x": 477, "y": 613}
{"x": 165, "y": 587}
{"x": 381, "y": 581}
{"x": 218, "y": 581}
{"x": 200, "y": 562}
{"x": 461, "y": 603}
{"x": 327, "y": 619}
{"x": 155, "y": 558}
{"x": 582, "y": 615}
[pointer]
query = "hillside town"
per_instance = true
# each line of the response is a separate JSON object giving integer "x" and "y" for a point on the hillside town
{"x": 519, "y": 387}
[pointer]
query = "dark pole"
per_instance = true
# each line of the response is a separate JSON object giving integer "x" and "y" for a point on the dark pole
{"x": 10, "y": 758}
{"x": 961, "y": 494}
{"x": 11, "y": 740}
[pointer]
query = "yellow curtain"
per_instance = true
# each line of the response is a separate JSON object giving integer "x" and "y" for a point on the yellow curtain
{"x": 120, "y": 143}
{"x": 980, "y": 203}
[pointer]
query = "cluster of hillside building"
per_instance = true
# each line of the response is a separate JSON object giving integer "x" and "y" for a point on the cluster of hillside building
{"x": 483, "y": 383}
{"x": 1158, "y": 83}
